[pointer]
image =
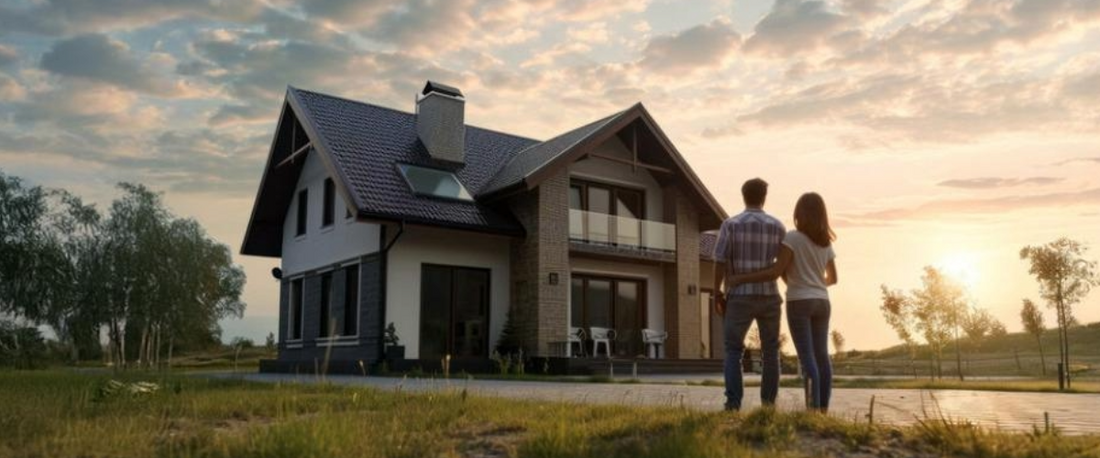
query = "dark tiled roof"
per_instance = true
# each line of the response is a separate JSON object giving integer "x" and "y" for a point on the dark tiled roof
{"x": 367, "y": 141}
{"x": 540, "y": 154}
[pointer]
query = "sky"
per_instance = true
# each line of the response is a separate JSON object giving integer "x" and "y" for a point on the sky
{"x": 949, "y": 133}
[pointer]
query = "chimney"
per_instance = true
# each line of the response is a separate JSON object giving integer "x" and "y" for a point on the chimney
{"x": 440, "y": 121}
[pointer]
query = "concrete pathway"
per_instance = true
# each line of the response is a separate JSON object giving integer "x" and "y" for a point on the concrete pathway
{"x": 1073, "y": 413}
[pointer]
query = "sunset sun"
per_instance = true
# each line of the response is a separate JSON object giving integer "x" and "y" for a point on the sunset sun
{"x": 961, "y": 267}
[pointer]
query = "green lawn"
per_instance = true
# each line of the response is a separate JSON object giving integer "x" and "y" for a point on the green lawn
{"x": 63, "y": 413}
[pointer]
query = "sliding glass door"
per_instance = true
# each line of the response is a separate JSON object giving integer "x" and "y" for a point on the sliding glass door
{"x": 608, "y": 302}
{"x": 454, "y": 312}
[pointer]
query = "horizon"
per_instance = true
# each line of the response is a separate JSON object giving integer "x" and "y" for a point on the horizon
{"x": 949, "y": 134}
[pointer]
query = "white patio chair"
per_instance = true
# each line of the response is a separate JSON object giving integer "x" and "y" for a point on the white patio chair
{"x": 576, "y": 336}
{"x": 655, "y": 339}
{"x": 601, "y": 335}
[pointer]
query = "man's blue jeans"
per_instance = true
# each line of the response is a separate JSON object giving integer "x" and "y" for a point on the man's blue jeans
{"x": 809, "y": 324}
{"x": 740, "y": 313}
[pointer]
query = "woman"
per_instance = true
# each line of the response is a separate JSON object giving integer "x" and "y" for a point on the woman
{"x": 807, "y": 264}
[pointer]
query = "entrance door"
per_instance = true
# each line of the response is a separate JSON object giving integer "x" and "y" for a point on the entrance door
{"x": 454, "y": 312}
{"x": 611, "y": 303}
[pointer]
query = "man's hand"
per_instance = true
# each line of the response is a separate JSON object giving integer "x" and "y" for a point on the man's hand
{"x": 720, "y": 303}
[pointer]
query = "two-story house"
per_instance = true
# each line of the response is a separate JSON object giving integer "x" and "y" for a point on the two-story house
{"x": 382, "y": 216}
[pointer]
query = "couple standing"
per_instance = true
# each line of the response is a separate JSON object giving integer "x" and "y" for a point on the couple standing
{"x": 756, "y": 250}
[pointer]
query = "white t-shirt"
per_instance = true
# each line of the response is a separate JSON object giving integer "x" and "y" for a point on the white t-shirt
{"x": 806, "y": 273}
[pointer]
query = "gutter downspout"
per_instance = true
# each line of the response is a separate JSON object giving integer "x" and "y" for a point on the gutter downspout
{"x": 383, "y": 273}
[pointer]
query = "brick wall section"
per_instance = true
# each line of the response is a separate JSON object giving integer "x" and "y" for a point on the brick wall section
{"x": 682, "y": 317}
{"x": 541, "y": 309}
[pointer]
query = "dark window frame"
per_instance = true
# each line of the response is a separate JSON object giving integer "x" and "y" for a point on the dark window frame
{"x": 303, "y": 213}
{"x": 641, "y": 315}
{"x": 488, "y": 308}
{"x": 325, "y": 305}
{"x": 328, "y": 212}
{"x": 402, "y": 170}
{"x": 296, "y": 312}
{"x": 351, "y": 300}
{"x": 613, "y": 190}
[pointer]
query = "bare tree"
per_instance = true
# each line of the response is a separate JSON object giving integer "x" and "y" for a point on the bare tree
{"x": 838, "y": 342}
{"x": 935, "y": 312}
{"x": 1032, "y": 319}
{"x": 1065, "y": 278}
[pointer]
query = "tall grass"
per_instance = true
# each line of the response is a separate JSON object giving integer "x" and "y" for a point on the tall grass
{"x": 59, "y": 413}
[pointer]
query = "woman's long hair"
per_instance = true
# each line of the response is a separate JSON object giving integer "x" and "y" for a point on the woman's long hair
{"x": 810, "y": 218}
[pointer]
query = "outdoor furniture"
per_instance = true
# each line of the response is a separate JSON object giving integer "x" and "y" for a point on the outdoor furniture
{"x": 601, "y": 335}
{"x": 655, "y": 339}
{"x": 576, "y": 336}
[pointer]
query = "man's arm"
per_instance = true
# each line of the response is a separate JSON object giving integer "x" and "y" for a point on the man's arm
{"x": 719, "y": 296}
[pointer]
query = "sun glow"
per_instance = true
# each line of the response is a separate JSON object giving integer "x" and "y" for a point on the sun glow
{"x": 962, "y": 267}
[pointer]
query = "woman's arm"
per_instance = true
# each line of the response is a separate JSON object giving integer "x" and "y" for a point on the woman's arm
{"x": 830, "y": 273}
{"x": 771, "y": 273}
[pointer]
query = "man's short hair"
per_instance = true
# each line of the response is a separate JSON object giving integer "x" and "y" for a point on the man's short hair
{"x": 754, "y": 191}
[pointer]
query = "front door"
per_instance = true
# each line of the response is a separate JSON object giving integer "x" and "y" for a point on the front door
{"x": 714, "y": 327}
{"x": 608, "y": 302}
{"x": 454, "y": 312}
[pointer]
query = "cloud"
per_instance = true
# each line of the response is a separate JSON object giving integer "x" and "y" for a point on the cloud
{"x": 97, "y": 57}
{"x": 70, "y": 17}
{"x": 794, "y": 27}
{"x": 425, "y": 26}
{"x": 957, "y": 208}
{"x": 1094, "y": 160}
{"x": 998, "y": 182}
{"x": 8, "y": 55}
{"x": 703, "y": 46}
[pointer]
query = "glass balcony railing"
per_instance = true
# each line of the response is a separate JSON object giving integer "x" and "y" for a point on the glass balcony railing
{"x": 614, "y": 230}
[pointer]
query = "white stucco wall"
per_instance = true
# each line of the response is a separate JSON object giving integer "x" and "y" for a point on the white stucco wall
{"x": 344, "y": 239}
{"x": 652, "y": 274}
{"x": 611, "y": 172}
{"x": 423, "y": 245}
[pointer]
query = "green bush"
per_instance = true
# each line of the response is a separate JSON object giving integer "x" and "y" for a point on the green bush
{"x": 21, "y": 347}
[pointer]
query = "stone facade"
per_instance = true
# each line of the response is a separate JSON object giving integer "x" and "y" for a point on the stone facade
{"x": 682, "y": 315}
{"x": 541, "y": 308}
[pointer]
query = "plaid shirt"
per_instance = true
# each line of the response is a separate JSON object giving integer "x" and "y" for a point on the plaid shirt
{"x": 747, "y": 243}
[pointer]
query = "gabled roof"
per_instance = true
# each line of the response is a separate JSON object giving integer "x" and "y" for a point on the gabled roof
{"x": 528, "y": 168}
{"x": 361, "y": 144}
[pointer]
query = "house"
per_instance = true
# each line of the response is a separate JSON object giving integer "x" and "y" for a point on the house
{"x": 448, "y": 231}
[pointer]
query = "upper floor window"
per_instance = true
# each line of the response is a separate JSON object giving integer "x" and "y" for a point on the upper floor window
{"x": 434, "y": 182}
{"x": 607, "y": 199}
{"x": 328, "y": 213}
{"x": 303, "y": 211}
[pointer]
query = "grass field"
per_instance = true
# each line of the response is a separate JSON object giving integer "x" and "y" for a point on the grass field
{"x": 62, "y": 413}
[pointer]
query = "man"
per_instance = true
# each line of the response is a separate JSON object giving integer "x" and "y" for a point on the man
{"x": 749, "y": 242}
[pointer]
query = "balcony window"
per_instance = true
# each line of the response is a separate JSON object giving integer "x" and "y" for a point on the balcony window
{"x": 614, "y": 215}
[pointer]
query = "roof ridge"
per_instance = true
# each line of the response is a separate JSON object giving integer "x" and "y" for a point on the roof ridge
{"x": 602, "y": 121}
{"x": 399, "y": 111}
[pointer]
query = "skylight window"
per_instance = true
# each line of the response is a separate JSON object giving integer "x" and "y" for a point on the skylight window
{"x": 434, "y": 182}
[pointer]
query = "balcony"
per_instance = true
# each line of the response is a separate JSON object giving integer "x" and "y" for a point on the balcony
{"x": 620, "y": 232}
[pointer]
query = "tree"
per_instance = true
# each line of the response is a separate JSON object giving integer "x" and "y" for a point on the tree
{"x": 838, "y": 342}
{"x": 22, "y": 210}
{"x": 978, "y": 323}
{"x": 1032, "y": 319}
{"x": 1065, "y": 278}
{"x": 934, "y": 312}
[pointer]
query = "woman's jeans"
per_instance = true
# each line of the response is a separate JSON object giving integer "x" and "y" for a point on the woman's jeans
{"x": 808, "y": 321}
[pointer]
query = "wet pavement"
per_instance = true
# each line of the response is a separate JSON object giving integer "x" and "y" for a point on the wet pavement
{"x": 1072, "y": 413}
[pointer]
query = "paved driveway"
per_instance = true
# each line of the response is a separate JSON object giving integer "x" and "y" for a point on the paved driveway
{"x": 1073, "y": 413}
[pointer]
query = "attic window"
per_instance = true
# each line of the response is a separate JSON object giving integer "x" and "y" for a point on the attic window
{"x": 434, "y": 182}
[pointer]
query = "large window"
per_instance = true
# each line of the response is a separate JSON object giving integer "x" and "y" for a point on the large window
{"x": 294, "y": 319}
{"x": 454, "y": 312}
{"x": 434, "y": 182}
{"x": 351, "y": 300}
{"x": 607, "y": 199}
{"x": 326, "y": 305}
{"x": 303, "y": 211}
{"x": 615, "y": 303}
{"x": 328, "y": 213}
